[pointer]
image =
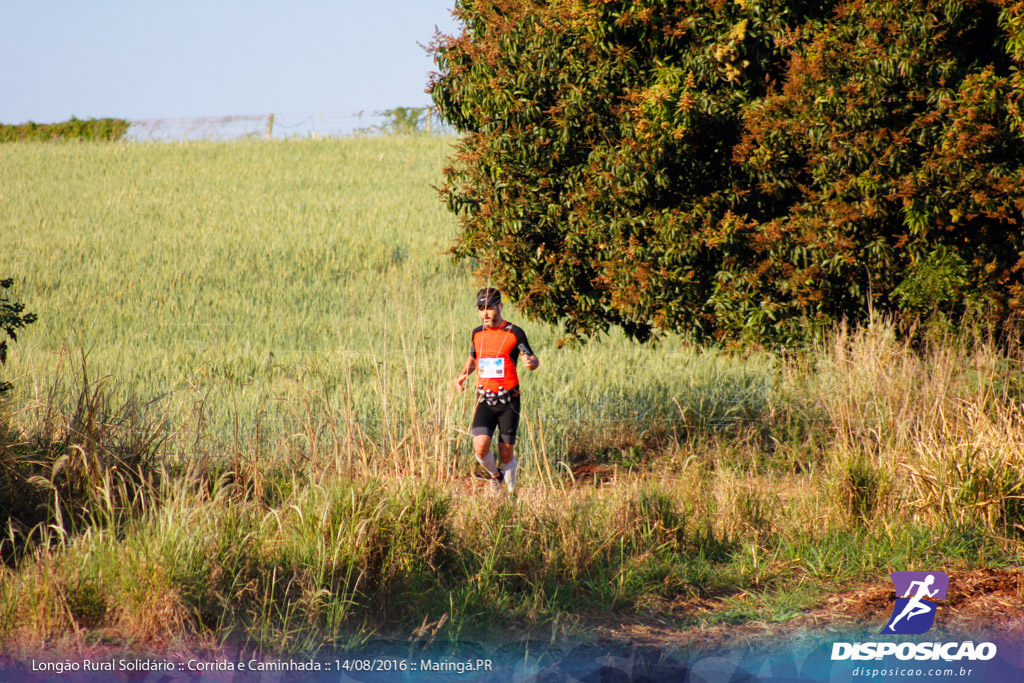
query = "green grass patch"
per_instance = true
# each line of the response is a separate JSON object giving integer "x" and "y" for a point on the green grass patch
{"x": 235, "y": 421}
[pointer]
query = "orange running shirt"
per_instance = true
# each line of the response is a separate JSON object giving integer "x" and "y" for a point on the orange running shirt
{"x": 496, "y": 352}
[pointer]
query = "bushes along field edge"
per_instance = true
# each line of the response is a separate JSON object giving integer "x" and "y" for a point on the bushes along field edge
{"x": 108, "y": 129}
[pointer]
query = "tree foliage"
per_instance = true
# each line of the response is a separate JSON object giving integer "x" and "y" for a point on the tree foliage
{"x": 745, "y": 170}
{"x": 12, "y": 318}
{"x": 73, "y": 129}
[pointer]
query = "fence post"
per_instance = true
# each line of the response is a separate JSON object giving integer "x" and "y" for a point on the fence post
{"x": 270, "y": 126}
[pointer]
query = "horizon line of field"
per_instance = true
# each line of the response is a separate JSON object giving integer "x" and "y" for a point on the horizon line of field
{"x": 279, "y": 125}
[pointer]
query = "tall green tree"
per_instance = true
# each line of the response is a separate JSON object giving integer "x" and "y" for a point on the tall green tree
{"x": 737, "y": 170}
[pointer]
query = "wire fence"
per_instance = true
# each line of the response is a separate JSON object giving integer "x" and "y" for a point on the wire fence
{"x": 284, "y": 126}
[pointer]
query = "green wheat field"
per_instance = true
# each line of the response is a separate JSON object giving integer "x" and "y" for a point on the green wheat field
{"x": 235, "y": 422}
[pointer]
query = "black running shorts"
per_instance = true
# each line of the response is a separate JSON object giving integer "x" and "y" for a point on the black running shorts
{"x": 504, "y": 416}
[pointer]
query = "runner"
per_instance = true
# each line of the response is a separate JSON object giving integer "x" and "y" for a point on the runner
{"x": 496, "y": 345}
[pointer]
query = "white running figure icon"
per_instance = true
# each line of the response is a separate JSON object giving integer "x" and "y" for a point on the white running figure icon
{"x": 915, "y": 606}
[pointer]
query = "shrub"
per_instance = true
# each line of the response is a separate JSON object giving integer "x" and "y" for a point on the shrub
{"x": 75, "y": 129}
{"x": 12, "y": 318}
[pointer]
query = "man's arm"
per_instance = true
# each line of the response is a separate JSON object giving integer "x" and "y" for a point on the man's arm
{"x": 467, "y": 369}
{"x": 529, "y": 358}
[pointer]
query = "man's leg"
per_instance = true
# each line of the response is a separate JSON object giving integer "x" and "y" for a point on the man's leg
{"x": 507, "y": 452}
{"x": 508, "y": 426}
{"x": 482, "y": 451}
{"x": 509, "y": 465}
{"x": 484, "y": 422}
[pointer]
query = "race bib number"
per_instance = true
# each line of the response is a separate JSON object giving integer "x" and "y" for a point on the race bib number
{"x": 492, "y": 368}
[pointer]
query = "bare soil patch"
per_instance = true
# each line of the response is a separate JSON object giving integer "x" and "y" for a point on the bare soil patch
{"x": 988, "y": 601}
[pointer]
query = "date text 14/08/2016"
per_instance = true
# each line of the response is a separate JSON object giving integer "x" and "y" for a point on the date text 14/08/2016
{"x": 458, "y": 666}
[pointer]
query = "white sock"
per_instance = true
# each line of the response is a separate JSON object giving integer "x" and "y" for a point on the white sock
{"x": 510, "y": 468}
{"x": 488, "y": 463}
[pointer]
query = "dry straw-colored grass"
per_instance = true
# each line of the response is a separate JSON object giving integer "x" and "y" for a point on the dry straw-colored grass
{"x": 298, "y": 473}
{"x": 932, "y": 434}
{"x": 332, "y": 533}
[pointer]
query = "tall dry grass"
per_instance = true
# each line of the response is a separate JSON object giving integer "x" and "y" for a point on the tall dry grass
{"x": 932, "y": 434}
{"x": 262, "y": 445}
{"x": 906, "y": 458}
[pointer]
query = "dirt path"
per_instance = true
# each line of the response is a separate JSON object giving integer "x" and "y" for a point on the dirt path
{"x": 988, "y": 601}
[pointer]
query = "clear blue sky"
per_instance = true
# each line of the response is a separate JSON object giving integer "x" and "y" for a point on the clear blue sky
{"x": 145, "y": 59}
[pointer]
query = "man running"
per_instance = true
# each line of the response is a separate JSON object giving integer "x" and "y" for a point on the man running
{"x": 496, "y": 345}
